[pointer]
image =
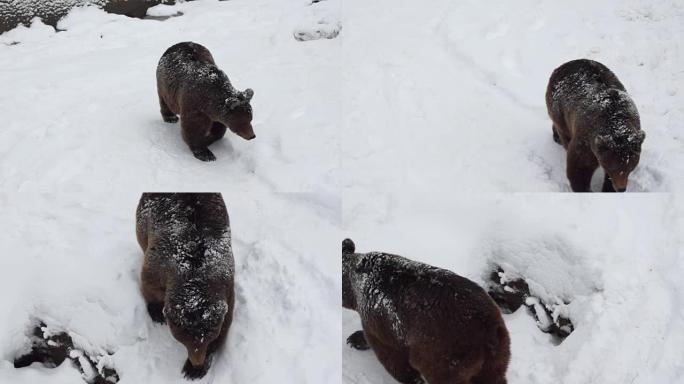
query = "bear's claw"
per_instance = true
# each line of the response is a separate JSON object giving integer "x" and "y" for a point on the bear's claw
{"x": 204, "y": 154}
{"x": 170, "y": 118}
{"x": 193, "y": 373}
{"x": 358, "y": 341}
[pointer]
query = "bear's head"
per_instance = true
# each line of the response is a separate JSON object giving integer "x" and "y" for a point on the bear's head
{"x": 348, "y": 261}
{"x": 239, "y": 114}
{"x": 195, "y": 322}
{"x": 619, "y": 155}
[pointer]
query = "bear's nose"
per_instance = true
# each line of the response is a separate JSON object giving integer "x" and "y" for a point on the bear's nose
{"x": 621, "y": 189}
{"x": 196, "y": 359}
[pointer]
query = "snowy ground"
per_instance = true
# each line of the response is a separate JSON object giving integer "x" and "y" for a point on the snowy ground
{"x": 400, "y": 131}
{"x": 82, "y": 137}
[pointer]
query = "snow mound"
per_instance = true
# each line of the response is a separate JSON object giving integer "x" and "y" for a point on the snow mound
{"x": 35, "y": 32}
{"x": 320, "y": 22}
{"x": 551, "y": 266}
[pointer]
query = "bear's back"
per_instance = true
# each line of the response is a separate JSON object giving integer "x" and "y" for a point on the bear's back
{"x": 188, "y": 233}
{"x": 588, "y": 98}
{"x": 189, "y": 52}
{"x": 417, "y": 298}
{"x": 189, "y": 66}
{"x": 578, "y": 85}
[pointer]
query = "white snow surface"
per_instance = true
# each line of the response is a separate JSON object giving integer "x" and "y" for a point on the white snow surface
{"x": 402, "y": 131}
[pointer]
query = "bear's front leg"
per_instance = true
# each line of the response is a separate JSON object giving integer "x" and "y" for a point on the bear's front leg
{"x": 607, "y": 184}
{"x": 156, "y": 311}
{"x": 167, "y": 115}
{"x": 358, "y": 341}
{"x": 193, "y": 373}
{"x": 218, "y": 130}
{"x": 581, "y": 165}
{"x": 196, "y": 131}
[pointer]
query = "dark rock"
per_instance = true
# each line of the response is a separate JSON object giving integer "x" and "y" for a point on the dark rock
{"x": 51, "y": 349}
{"x": 510, "y": 295}
{"x": 13, "y": 13}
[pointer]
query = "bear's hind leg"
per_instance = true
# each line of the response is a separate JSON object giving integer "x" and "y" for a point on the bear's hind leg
{"x": 196, "y": 131}
{"x": 560, "y": 134}
{"x": 556, "y": 137}
{"x": 395, "y": 361}
{"x": 167, "y": 115}
{"x": 152, "y": 291}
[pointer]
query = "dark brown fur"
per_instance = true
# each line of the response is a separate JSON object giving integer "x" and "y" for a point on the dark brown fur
{"x": 190, "y": 84}
{"x": 597, "y": 123}
{"x": 187, "y": 273}
{"x": 424, "y": 322}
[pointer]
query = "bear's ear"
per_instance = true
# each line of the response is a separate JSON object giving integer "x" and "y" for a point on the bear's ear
{"x": 362, "y": 265}
{"x": 248, "y": 94}
{"x": 233, "y": 102}
{"x": 640, "y": 136}
{"x": 348, "y": 247}
{"x": 223, "y": 307}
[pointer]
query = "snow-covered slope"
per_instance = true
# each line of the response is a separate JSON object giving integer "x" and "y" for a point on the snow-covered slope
{"x": 82, "y": 137}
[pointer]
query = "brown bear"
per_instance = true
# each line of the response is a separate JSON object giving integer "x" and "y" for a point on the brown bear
{"x": 596, "y": 121}
{"x": 425, "y": 324}
{"x": 187, "y": 273}
{"x": 190, "y": 84}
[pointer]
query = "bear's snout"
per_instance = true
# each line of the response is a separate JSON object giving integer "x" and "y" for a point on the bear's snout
{"x": 197, "y": 356}
{"x": 620, "y": 182}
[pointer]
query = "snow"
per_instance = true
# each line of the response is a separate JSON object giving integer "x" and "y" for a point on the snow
{"x": 416, "y": 129}
{"x": 163, "y": 11}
